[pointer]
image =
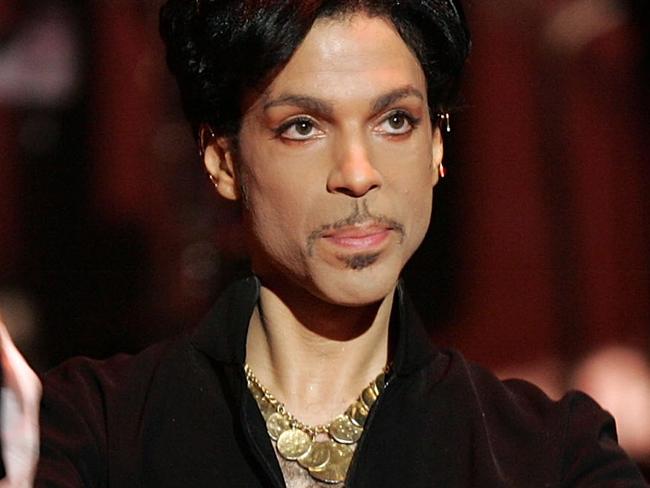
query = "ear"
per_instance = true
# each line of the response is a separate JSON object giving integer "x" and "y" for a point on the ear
{"x": 219, "y": 161}
{"x": 437, "y": 153}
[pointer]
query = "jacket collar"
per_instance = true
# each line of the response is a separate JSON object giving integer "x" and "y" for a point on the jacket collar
{"x": 222, "y": 334}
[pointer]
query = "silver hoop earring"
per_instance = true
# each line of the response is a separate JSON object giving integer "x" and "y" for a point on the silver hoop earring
{"x": 445, "y": 121}
{"x": 206, "y": 134}
{"x": 213, "y": 179}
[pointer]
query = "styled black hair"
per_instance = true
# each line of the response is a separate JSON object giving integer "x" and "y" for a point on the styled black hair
{"x": 220, "y": 49}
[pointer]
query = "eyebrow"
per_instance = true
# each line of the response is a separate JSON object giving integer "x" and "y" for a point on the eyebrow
{"x": 386, "y": 100}
{"x": 312, "y": 104}
{"x": 308, "y": 103}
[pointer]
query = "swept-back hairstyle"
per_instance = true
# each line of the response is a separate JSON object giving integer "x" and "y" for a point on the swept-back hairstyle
{"x": 218, "y": 50}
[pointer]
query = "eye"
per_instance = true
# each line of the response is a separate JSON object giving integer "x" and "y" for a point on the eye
{"x": 397, "y": 123}
{"x": 300, "y": 129}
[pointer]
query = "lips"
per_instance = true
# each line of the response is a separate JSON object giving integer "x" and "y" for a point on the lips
{"x": 358, "y": 238}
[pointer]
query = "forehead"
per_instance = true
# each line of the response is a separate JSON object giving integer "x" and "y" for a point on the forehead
{"x": 351, "y": 57}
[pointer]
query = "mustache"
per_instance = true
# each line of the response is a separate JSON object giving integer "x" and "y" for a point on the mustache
{"x": 360, "y": 215}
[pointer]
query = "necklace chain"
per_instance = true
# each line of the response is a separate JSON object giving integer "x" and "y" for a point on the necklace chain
{"x": 282, "y": 409}
{"x": 294, "y": 440}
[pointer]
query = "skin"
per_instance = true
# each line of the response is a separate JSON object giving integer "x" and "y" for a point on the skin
{"x": 338, "y": 159}
{"x": 20, "y": 403}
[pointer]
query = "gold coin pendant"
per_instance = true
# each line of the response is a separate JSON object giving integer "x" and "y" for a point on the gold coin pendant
{"x": 276, "y": 425}
{"x": 358, "y": 412}
{"x": 336, "y": 469}
{"x": 266, "y": 408}
{"x": 317, "y": 457}
{"x": 380, "y": 382}
{"x": 369, "y": 395}
{"x": 256, "y": 391}
{"x": 345, "y": 431}
{"x": 293, "y": 443}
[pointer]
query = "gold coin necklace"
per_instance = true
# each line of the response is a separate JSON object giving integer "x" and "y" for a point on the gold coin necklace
{"x": 325, "y": 460}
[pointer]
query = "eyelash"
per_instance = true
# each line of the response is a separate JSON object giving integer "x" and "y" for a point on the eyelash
{"x": 280, "y": 130}
{"x": 413, "y": 122}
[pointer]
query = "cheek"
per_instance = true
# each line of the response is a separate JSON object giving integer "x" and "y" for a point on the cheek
{"x": 411, "y": 182}
{"x": 277, "y": 193}
{"x": 278, "y": 207}
{"x": 410, "y": 173}
{"x": 274, "y": 243}
{"x": 419, "y": 205}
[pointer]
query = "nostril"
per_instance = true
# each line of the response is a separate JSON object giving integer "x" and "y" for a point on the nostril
{"x": 356, "y": 192}
{"x": 353, "y": 173}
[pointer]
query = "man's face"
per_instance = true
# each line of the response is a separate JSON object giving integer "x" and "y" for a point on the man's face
{"x": 338, "y": 159}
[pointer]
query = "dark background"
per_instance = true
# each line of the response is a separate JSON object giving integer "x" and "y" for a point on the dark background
{"x": 111, "y": 236}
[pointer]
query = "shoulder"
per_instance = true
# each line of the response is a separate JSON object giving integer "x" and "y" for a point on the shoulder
{"x": 122, "y": 372}
{"x": 487, "y": 390}
{"x": 91, "y": 408}
{"x": 572, "y": 436}
{"x": 518, "y": 404}
{"x": 116, "y": 392}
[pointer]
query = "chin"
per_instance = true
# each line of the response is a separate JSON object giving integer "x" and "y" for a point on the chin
{"x": 355, "y": 287}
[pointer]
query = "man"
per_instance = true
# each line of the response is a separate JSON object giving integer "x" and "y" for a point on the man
{"x": 322, "y": 120}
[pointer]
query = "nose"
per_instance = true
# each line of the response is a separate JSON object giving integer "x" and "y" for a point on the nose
{"x": 353, "y": 173}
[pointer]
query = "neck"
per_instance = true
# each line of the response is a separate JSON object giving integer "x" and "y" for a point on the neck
{"x": 316, "y": 357}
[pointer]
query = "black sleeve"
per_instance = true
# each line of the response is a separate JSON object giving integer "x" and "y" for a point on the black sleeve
{"x": 91, "y": 420}
{"x": 592, "y": 455}
{"x": 73, "y": 428}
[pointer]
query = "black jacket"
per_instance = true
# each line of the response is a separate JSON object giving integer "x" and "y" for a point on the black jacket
{"x": 179, "y": 415}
